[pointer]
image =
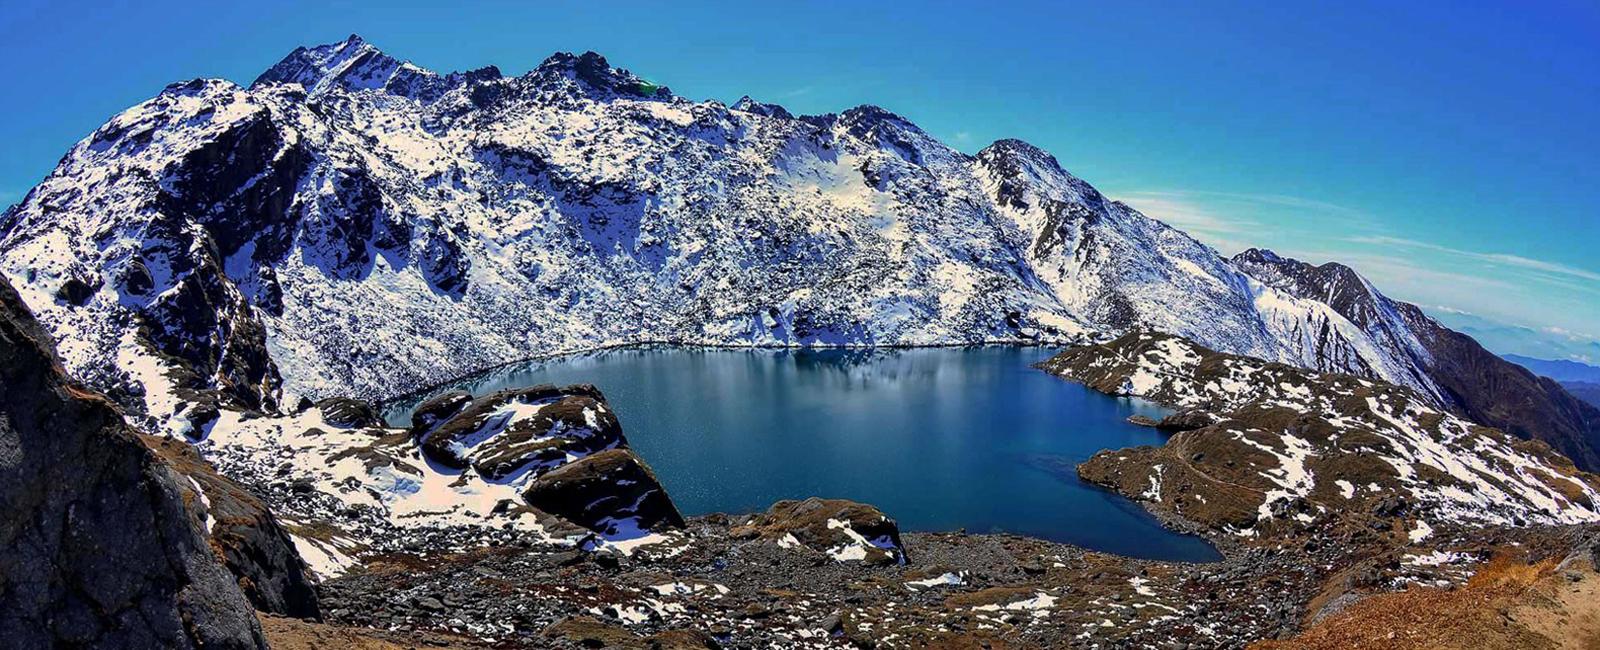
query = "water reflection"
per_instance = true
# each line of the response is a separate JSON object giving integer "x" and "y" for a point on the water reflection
{"x": 940, "y": 439}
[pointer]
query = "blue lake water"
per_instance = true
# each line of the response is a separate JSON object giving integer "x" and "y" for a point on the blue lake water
{"x": 939, "y": 439}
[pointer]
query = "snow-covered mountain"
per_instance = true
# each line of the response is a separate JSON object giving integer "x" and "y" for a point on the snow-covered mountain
{"x": 1264, "y": 446}
{"x": 355, "y": 225}
{"x": 1472, "y": 381}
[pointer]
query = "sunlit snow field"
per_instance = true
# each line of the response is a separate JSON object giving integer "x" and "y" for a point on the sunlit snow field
{"x": 940, "y": 439}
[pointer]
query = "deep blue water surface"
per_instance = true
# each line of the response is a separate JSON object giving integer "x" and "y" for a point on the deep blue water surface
{"x": 939, "y": 439}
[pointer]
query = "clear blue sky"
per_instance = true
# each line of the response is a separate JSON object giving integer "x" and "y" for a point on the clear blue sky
{"x": 1452, "y": 153}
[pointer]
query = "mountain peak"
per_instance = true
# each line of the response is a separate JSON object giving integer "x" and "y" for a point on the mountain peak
{"x": 1012, "y": 149}
{"x": 749, "y": 105}
{"x": 1267, "y": 257}
{"x": 867, "y": 115}
{"x": 1264, "y": 255}
{"x": 354, "y": 64}
{"x": 594, "y": 75}
{"x": 347, "y": 63}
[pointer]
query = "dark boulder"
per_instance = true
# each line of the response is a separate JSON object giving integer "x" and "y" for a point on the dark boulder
{"x": 1186, "y": 420}
{"x": 612, "y": 493}
{"x": 843, "y": 529}
{"x": 348, "y": 413}
{"x": 102, "y": 551}
{"x": 77, "y": 291}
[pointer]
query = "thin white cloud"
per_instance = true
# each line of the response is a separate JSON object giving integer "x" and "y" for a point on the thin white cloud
{"x": 1503, "y": 286}
{"x": 1275, "y": 200}
{"x": 1223, "y": 232}
{"x": 1570, "y": 335}
{"x": 1504, "y": 259}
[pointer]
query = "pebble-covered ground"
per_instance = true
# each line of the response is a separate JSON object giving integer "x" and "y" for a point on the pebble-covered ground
{"x": 713, "y": 587}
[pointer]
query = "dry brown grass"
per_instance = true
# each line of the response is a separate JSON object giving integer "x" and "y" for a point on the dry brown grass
{"x": 294, "y": 634}
{"x": 1508, "y": 604}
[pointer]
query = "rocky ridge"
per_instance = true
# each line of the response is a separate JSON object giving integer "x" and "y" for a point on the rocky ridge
{"x": 1473, "y": 382}
{"x": 1269, "y": 448}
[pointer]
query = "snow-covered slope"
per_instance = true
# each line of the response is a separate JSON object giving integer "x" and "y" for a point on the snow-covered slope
{"x": 1270, "y": 447}
{"x": 1471, "y": 381}
{"x": 351, "y": 224}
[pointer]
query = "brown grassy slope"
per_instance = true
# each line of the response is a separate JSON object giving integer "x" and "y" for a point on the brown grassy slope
{"x": 1507, "y": 605}
{"x": 295, "y": 634}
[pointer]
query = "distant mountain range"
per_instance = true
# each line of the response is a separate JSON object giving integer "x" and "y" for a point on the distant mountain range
{"x": 1560, "y": 370}
{"x": 1521, "y": 340}
{"x": 1580, "y": 379}
{"x": 352, "y": 224}
{"x": 1584, "y": 390}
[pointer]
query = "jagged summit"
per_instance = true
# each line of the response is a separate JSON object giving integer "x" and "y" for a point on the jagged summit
{"x": 749, "y": 105}
{"x": 1267, "y": 256}
{"x": 310, "y": 66}
{"x": 1012, "y": 148}
{"x": 595, "y": 75}
{"x": 354, "y": 64}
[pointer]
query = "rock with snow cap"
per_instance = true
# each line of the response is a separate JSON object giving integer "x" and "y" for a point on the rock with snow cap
{"x": 435, "y": 410}
{"x": 521, "y": 430}
{"x": 613, "y": 493}
{"x": 844, "y": 530}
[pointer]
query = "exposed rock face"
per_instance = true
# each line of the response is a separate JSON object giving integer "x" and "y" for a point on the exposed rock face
{"x": 1472, "y": 381}
{"x": 845, "y": 530}
{"x": 102, "y": 551}
{"x": 1289, "y": 450}
{"x": 245, "y": 535}
{"x": 612, "y": 492}
{"x": 520, "y": 430}
{"x": 349, "y": 413}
